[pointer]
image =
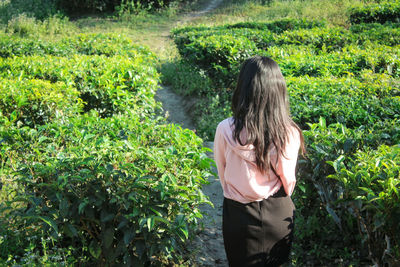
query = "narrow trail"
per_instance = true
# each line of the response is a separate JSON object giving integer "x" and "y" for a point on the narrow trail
{"x": 208, "y": 243}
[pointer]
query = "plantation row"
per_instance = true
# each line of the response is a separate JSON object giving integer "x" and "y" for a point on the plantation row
{"x": 344, "y": 92}
{"x": 90, "y": 174}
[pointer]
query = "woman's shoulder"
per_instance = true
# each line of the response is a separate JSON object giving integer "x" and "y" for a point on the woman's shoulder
{"x": 294, "y": 136}
{"x": 225, "y": 124}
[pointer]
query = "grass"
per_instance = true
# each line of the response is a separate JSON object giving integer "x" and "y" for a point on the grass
{"x": 334, "y": 11}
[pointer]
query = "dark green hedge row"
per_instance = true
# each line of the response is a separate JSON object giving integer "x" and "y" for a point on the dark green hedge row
{"x": 388, "y": 33}
{"x": 86, "y": 44}
{"x": 348, "y": 181}
{"x": 262, "y": 34}
{"x": 107, "y": 85}
{"x": 384, "y": 11}
{"x": 36, "y": 102}
{"x": 277, "y": 26}
{"x": 86, "y": 163}
{"x": 344, "y": 92}
{"x": 220, "y": 50}
{"x": 100, "y": 67}
{"x": 349, "y": 101}
{"x": 120, "y": 190}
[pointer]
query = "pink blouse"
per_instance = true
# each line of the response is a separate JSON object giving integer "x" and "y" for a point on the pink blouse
{"x": 238, "y": 173}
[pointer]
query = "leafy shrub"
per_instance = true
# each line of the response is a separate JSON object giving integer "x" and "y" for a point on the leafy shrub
{"x": 36, "y": 102}
{"x": 113, "y": 185}
{"x": 388, "y": 34}
{"x": 344, "y": 92}
{"x": 371, "y": 194}
{"x": 321, "y": 199}
{"x": 345, "y": 100}
{"x": 277, "y": 26}
{"x": 351, "y": 60}
{"x": 219, "y": 54}
{"x": 314, "y": 52}
{"x": 108, "y": 85}
{"x": 87, "y": 44}
{"x": 385, "y": 11}
{"x": 21, "y": 25}
{"x": 280, "y": 26}
{"x": 327, "y": 38}
{"x": 126, "y": 188}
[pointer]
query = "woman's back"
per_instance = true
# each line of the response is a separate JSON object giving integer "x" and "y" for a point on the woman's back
{"x": 256, "y": 152}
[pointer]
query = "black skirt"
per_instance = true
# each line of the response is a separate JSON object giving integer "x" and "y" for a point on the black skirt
{"x": 258, "y": 233}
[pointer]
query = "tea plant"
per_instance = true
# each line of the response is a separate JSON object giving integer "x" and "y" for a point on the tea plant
{"x": 87, "y": 167}
{"x": 344, "y": 92}
{"x": 381, "y": 12}
{"x": 37, "y": 102}
{"x": 371, "y": 182}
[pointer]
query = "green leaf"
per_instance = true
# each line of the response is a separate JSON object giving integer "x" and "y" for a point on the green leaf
{"x": 70, "y": 230}
{"x": 50, "y": 222}
{"x": 108, "y": 237}
{"x": 128, "y": 236}
{"x": 82, "y": 206}
{"x": 95, "y": 249}
{"x": 150, "y": 223}
{"x": 106, "y": 217}
{"x": 64, "y": 205}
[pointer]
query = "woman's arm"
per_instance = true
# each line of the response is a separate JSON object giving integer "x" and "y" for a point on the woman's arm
{"x": 219, "y": 152}
{"x": 287, "y": 162}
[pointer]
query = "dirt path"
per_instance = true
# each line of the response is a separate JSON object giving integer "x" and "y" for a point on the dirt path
{"x": 208, "y": 243}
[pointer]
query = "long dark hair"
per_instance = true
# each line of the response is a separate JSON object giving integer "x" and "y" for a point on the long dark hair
{"x": 260, "y": 105}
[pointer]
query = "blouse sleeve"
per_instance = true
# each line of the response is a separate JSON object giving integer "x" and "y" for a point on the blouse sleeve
{"x": 219, "y": 153}
{"x": 287, "y": 162}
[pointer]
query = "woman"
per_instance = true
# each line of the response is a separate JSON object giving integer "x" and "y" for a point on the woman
{"x": 256, "y": 152}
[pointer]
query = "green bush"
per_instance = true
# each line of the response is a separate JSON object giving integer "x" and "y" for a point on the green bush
{"x": 110, "y": 185}
{"x": 219, "y": 54}
{"x": 277, "y": 26}
{"x": 321, "y": 38}
{"x": 320, "y": 199}
{"x": 344, "y": 92}
{"x": 107, "y": 85}
{"x": 313, "y": 52}
{"x": 385, "y": 11}
{"x": 185, "y": 78}
{"x": 387, "y": 34}
{"x": 345, "y": 100}
{"x": 126, "y": 188}
{"x": 36, "y": 102}
{"x": 86, "y": 44}
{"x": 280, "y": 26}
{"x": 371, "y": 183}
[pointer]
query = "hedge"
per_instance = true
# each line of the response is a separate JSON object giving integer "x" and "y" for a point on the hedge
{"x": 344, "y": 92}
{"x": 345, "y": 100}
{"x": 313, "y": 52}
{"x": 128, "y": 189}
{"x": 85, "y": 44}
{"x": 382, "y": 12}
{"x": 108, "y": 182}
{"x": 107, "y": 85}
{"x": 37, "y": 102}
{"x": 371, "y": 182}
